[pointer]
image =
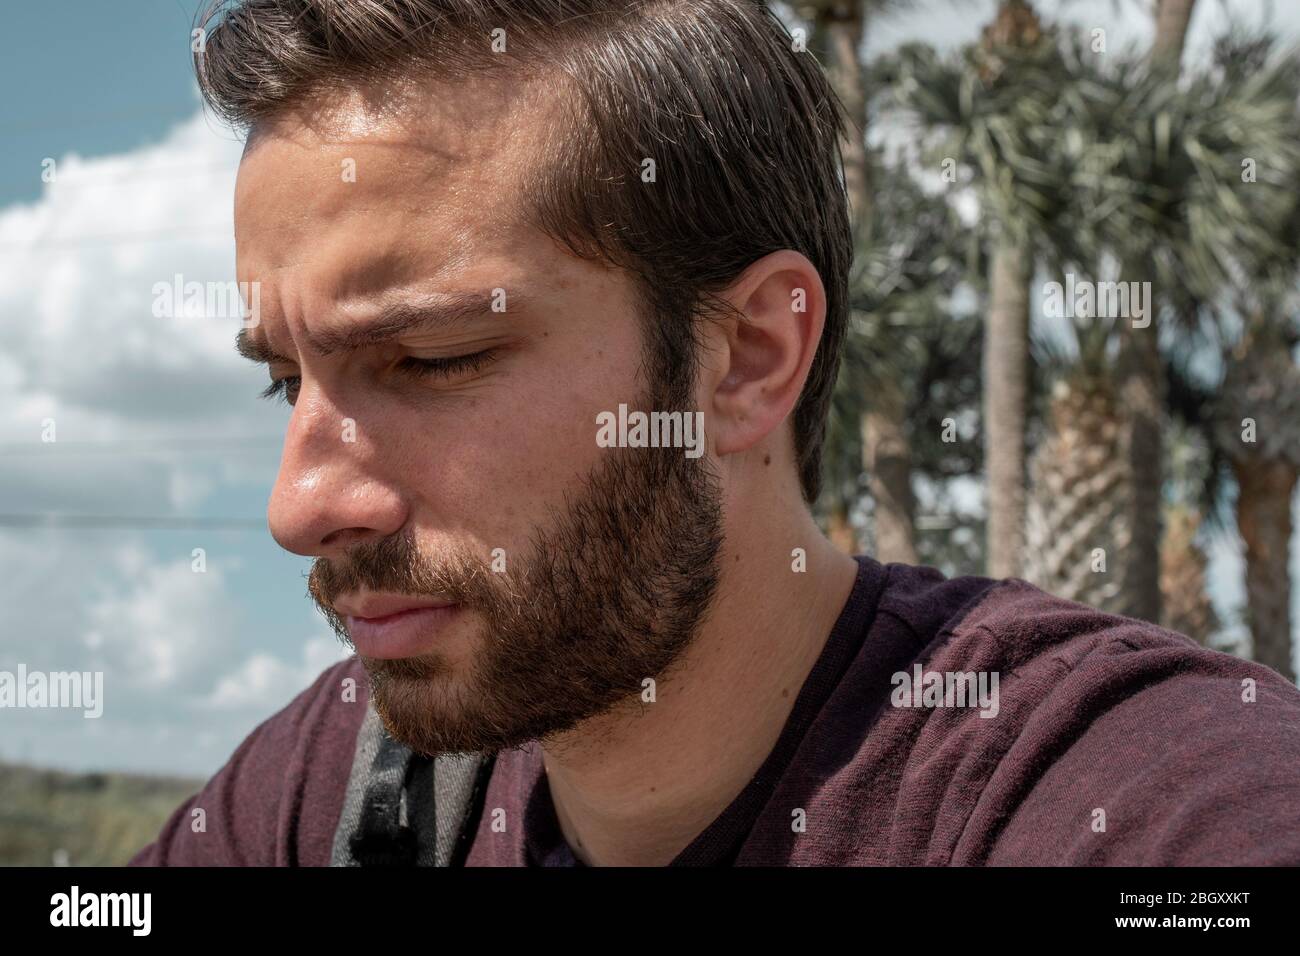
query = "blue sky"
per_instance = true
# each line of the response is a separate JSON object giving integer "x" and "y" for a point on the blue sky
{"x": 156, "y": 416}
{"x": 90, "y": 78}
{"x": 153, "y": 417}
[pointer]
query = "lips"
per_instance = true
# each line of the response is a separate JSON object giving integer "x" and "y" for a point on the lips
{"x": 376, "y": 607}
{"x": 393, "y": 626}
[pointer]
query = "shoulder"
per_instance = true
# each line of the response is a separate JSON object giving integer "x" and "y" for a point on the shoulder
{"x": 277, "y": 799}
{"x": 987, "y": 721}
{"x": 1113, "y": 741}
{"x": 928, "y": 603}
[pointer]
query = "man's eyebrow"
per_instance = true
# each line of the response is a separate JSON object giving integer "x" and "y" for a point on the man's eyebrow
{"x": 391, "y": 321}
{"x": 255, "y": 351}
{"x": 412, "y": 315}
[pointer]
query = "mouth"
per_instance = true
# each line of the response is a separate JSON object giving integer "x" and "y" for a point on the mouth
{"x": 387, "y": 628}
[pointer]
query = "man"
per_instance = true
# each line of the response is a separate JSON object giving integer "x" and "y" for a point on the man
{"x": 558, "y": 299}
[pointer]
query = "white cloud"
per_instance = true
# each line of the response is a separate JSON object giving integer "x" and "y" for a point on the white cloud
{"x": 169, "y": 629}
{"x": 263, "y": 682}
{"x": 133, "y": 396}
{"x": 76, "y": 288}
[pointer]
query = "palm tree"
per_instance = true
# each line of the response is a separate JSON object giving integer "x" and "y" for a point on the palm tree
{"x": 1260, "y": 394}
{"x": 838, "y": 32}
{"x": 1172, "y": 18}
{"x": 1259, "y": 429}
{"x": 1141, "y": 382}
{"x": 903, "y": 329}
{"x": 1153, "y": 204}
{"x": 1079, "y": 535}
{"x": 992, "y": 110}
{"x": 1006, "y": 339}
{"x": 1246, "y": 415}
{"x": 1261, "y": 378}
{"x": 1160, "y": 167}
{"x": 1185, "y": 604}
{"x": 1187, "y": 607}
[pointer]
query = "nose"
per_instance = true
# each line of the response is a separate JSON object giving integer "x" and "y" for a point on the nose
{"x": 330, "y": 493}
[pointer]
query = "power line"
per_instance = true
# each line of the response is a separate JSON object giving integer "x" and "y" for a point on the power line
{"x": 66, "y": 522}
{"x": 141, "y": 445}
{"x": 66, "y": 122}
{"x": 183, "y": 233}
{"x": 148, "y": 174}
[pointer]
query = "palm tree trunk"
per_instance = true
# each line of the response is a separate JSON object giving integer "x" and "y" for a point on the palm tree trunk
{"x": 841, "y": 25}
{"x": 1006, "y": 372}
{"x": 1142, "y": 384}
{"x": 1172, "y": 20}
{"x": 1186, "y": 605}
{"x": 1142, "y": 398}
{"x": 840, "y": 529}
{"x": 1264, "y": 519}
{"x": 888, "y": 457}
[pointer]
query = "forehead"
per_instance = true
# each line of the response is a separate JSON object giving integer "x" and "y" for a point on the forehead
{"x": 393, "y": 172}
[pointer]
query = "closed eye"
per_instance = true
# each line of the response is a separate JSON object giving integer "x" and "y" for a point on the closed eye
{"x": 279, "y": 388}
{"x": 447, "y": 366}
{"x": 286, "y": 388}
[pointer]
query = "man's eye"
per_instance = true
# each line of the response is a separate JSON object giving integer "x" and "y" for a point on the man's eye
{"x": 446, "y": 367}
{"x": 285, "y": 389}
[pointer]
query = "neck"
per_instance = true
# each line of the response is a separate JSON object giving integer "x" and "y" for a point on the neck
{"x": 634, "y": 786}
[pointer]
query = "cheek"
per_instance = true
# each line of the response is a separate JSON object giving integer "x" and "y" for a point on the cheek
{"x": 503, "y": 460}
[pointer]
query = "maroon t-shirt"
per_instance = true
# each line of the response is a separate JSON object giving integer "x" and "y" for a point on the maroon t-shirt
{"x": 1109, "y": 741}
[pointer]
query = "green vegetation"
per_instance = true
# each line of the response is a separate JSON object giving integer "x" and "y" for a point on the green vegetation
{"x": 97, "y": 819}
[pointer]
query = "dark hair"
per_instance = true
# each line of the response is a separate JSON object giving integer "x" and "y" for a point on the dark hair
{"x": 744, "y": 131}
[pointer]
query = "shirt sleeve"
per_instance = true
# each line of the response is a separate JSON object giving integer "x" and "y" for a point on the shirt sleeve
{"x": 277, "y": 800}
{"x": 1153, "y": 751}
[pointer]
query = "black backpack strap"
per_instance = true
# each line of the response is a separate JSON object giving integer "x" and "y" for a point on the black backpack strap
{"x": 404, "y": 809}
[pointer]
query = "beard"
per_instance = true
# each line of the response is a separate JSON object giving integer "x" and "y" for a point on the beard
{"x": 609, "y": 595}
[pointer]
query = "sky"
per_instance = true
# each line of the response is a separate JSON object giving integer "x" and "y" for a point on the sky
{"x": 155, "y": 417}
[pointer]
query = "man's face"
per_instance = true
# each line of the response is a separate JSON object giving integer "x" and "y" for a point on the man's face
{"x": 452, "y": 462}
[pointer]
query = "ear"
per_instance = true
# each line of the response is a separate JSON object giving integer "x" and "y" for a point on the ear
{"x": 759, "y": 359}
